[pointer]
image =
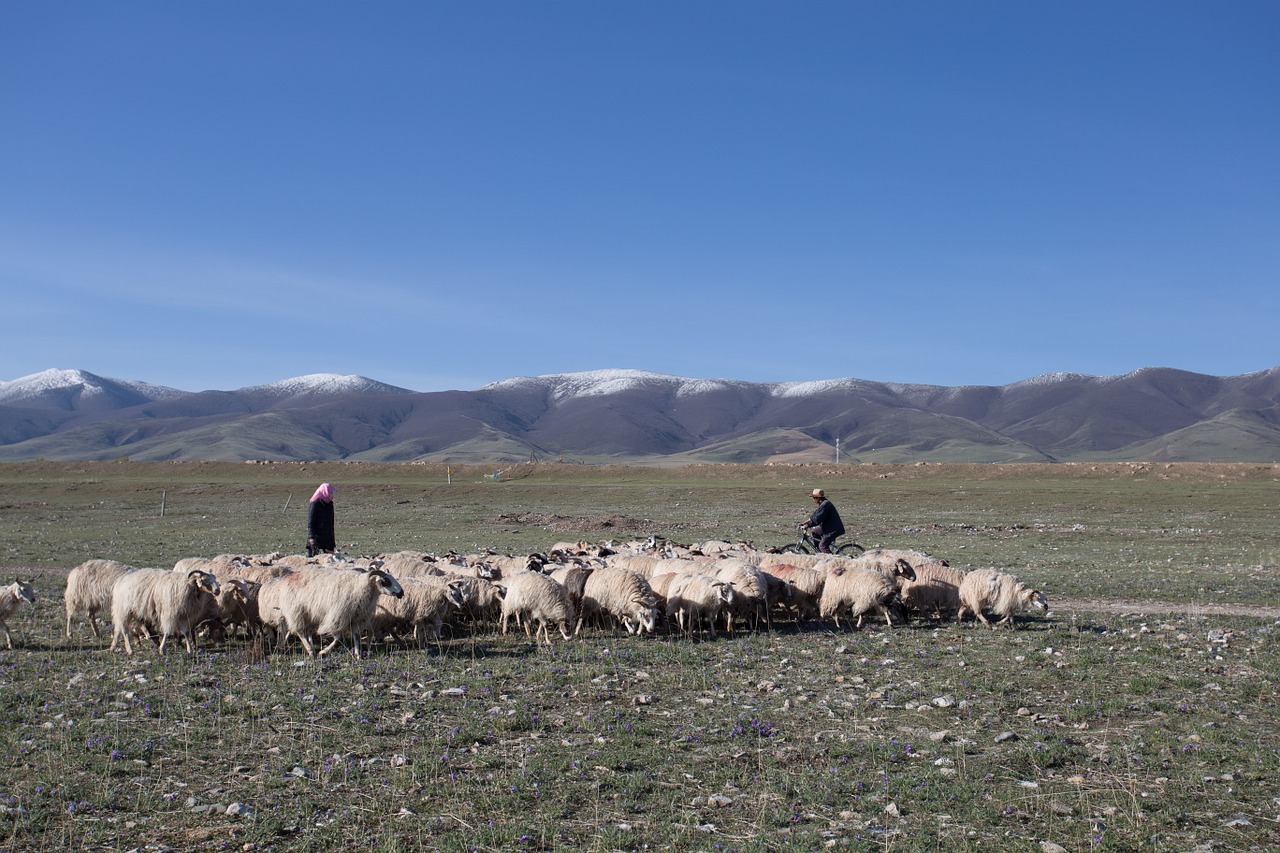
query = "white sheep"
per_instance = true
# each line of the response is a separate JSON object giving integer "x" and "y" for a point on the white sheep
{"x": 11, "y": 597}
{"x": 857, "y": 591}
{"x": 1000, "y": 593}
{"x": 333, "y": 603}
{"x": 574, "y": 580}
{"x": 804, "y": 587}
{"x": 89, "y": 588}
{"x": 481, "y": 600}
{"x": 750, "y": 590}
{"x": 423, "y": 607}
{"x": 695, "y": 597}
{"x": 622, "y": 595}
{"x": 935, "y": 589}
{"x": 533, "y": 598}
{"x": 155, "y": 598}
{"x": 236, "y": 605}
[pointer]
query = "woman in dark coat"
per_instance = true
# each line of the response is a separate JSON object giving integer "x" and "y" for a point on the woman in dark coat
{"x": 320, "y": 535}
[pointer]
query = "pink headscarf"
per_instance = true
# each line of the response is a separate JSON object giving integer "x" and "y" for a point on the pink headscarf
{"x": 324, "y": 493}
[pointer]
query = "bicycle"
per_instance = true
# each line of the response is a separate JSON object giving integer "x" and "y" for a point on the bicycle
{"x": 809, "y": 545}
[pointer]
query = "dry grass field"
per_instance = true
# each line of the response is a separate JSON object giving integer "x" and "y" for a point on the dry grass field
{"x": 1140, "y": 713}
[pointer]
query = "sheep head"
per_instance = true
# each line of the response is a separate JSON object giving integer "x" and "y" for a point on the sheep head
{"x": 455, "y": 594}
{"x": 903, "y": 569}
{"x": 386, "y": 584}
{"x": 1032, "y": 597}
{"x": 203, "y": 580}
{"x": 23, "y": 591}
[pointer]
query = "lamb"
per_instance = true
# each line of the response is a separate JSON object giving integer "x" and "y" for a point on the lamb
{"x": 335, "y": 603}
{"x": 1001, "y": 594}
{"x": 11, "y": 597}
{"x": 859, "y": 591}
{"x": 89, "y": 588}
{"x": 621, "y": 595}
{"x": 697, "y": 597}
{"x": 423, "y": 607}
{"x": 533, "y": 597}
{"x": 169, "y": 602}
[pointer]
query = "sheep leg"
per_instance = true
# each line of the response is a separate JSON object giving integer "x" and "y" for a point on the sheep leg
{"x": 329, "y": 647}
{"x": 8, "y": 639}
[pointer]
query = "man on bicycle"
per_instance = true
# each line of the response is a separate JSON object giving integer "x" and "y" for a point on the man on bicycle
{"x": 824, "y": 523}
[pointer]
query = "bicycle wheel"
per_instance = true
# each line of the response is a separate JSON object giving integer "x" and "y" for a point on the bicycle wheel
{"x": 850, "y": 549}
{"x": 793, "y": 548}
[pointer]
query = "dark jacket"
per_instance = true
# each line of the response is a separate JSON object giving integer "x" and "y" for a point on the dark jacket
{"x": 826, "y": 518}
{"x": 320, "y": 525}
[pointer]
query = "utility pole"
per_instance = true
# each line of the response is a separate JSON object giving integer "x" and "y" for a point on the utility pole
{"x": 837, "y": 450}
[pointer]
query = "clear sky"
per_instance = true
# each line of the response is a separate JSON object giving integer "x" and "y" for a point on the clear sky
{"x": 439, "y": 195}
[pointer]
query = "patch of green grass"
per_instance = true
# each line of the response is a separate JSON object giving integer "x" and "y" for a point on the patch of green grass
{"x": 1094, "y": 730}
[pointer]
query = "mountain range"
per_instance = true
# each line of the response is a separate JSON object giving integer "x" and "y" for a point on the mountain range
{"x": 638, "y": 417}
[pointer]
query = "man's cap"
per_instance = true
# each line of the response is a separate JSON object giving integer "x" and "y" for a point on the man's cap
{"x": 817, "y": 493}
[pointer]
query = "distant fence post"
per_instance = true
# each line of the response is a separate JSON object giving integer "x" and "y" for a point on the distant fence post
{"x": 164, "y": 497}
{"x": 286, "y": 502}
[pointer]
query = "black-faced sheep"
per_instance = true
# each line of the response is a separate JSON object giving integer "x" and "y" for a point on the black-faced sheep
{"x": 1001, "y": 594}
{"x": 169, "y": 602}
{"x": 11, "y": 597}
{"x": 535, "y": 599}
{"x": 89, "y": 587}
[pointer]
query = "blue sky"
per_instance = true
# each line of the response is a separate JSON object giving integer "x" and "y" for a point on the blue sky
{"x": 440, "y": 195}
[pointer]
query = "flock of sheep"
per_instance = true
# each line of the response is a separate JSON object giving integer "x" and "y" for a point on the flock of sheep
{"x": 640, "y": 587}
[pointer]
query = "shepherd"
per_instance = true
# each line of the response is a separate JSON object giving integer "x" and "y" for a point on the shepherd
{"x": 320, "y": 535}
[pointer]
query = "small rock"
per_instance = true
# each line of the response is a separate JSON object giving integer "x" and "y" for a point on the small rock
{"x": 1050, "y": 847}
{"x": 720, "y": 800}
{"x": 240, "y": 809}
{"x": 645, "y": 699}
{"x": 944, "y": 701}
{"x": 399, "y": 760}
{"x": 892, "y": 810}
{"x": 939, "y": 737}
{"x": 1005, "y": 736}
{"x": 298, "y": 771}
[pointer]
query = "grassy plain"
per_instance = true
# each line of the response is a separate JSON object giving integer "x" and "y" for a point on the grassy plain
{"x": 1145, "y": 727}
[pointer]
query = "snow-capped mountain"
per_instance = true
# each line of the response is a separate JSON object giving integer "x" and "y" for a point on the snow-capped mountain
{"x": 322, "y": 385}
{"x": 636, "y": 415}
{"x": 77, "y": 389}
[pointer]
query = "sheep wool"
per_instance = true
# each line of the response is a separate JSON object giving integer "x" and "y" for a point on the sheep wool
{"x": 89, "y": 587}
{"x": 169, "y": 602}
{"x": 533, "y": 598}
{"x": 999, "y": 593}
{"x": 11, "y": 597}
{"x": 620, "y": 595}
